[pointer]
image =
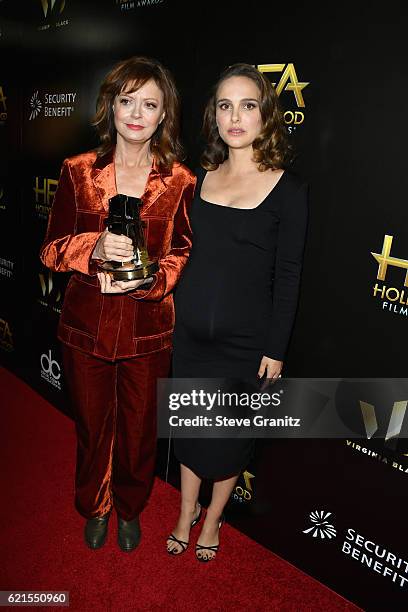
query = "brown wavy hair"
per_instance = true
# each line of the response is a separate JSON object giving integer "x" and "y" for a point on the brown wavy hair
{"x": 134, "y": 73}
{"x": 271, "y": 148}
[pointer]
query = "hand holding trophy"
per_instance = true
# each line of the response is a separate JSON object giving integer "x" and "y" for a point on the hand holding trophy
{"x": 124, "y": 219}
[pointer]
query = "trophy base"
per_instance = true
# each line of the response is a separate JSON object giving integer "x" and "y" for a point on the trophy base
{"x": 128, "y": 271}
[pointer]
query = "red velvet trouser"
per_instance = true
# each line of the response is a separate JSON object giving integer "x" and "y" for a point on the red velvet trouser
{"x": 115, "y": 413}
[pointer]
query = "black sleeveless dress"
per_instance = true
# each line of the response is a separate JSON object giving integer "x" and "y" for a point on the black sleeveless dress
{"x": 236, "y": 301}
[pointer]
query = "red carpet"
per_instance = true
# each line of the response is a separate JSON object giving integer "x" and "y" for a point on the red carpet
{"x": 42, "y": 548}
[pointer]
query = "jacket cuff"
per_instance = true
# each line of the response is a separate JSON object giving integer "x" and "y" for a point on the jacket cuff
{"x": 272, "y": 354}
{"x": 154, "y": 292}
{"x": 275, "y": 345}
{"x": 72, "y": 253}
{"x": 93, "y": 263}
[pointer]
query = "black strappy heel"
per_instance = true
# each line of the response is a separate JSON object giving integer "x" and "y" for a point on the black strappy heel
{"x": 213, "y": 548}
{"x": 184, "y": 545}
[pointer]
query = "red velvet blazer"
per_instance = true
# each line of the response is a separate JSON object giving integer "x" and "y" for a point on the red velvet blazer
{"x": 122, "y": 325}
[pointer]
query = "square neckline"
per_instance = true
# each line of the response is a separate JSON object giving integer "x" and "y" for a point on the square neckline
{"x": 237, "y": 207}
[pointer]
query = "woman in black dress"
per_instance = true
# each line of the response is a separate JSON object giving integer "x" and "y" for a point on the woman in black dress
{"x": 237, "y": 298}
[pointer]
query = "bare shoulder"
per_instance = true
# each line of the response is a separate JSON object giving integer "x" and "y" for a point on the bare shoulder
{"x": 269, "y": 178}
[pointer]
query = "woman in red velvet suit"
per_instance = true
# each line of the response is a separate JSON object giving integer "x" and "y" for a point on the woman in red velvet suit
{"x": 117, "y": 335}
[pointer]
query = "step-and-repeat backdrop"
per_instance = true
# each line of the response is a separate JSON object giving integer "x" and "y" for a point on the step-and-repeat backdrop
{"x": 334, "y": 508}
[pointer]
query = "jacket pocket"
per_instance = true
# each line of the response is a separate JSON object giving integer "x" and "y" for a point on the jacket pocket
{"x": 82, "y": 306}
{"x": 154, "y": 318}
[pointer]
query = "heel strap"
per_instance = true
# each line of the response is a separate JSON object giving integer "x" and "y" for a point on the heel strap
{"x": 198, "y": 517}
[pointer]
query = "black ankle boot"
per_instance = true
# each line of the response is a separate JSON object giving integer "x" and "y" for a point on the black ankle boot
{"x": 96, "y": 530}
{"x": 128, "y": 534}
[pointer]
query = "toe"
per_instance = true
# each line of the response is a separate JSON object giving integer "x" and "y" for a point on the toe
{"x": 175, "y": 548}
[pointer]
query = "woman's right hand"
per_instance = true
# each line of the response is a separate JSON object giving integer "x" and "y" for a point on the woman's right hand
{"x": 111, "y": 247}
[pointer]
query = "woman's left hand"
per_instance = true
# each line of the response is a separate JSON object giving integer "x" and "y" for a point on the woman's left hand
{"x": 110, "y": 286}
{"x": 271, "y": 367}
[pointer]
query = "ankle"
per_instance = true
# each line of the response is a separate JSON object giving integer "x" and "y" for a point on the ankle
{"x": 213, "y": 515}
{"x": 188, "y": 508}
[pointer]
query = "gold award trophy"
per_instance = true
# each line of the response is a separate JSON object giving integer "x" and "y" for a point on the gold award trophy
{"x": 124, "y": 218}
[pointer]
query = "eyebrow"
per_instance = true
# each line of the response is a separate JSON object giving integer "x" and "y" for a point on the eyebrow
{"x": 243, "y": 100}
{"x": 128, "y": 94}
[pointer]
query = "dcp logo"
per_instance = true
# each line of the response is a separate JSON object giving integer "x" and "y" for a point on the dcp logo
{"x": 50, "y": 369}
{"x": 50, "y": 366}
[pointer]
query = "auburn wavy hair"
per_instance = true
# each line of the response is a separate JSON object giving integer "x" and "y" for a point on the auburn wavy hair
{"x": 129, "y": 75}
{"x": 272, "y": 148}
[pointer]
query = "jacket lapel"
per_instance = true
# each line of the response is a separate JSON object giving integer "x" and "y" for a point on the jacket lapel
{"x": 155, "y": 186}
{"x": 104, "y": 179}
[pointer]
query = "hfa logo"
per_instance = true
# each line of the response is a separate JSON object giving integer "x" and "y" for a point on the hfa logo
{"x": 390, "y": 295}
{"x": 50, "y": 370}
{"x": 288, "y": 82}
{"x": 321, "y": 528}
{"x": 48, "y": 6}
{"x": 44, "y": 190}
{"x": 384, "y": 260}
{"x": 6, "y": 338}
{"x": 244, "y": 494}
{"x": 3, "y": 106}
